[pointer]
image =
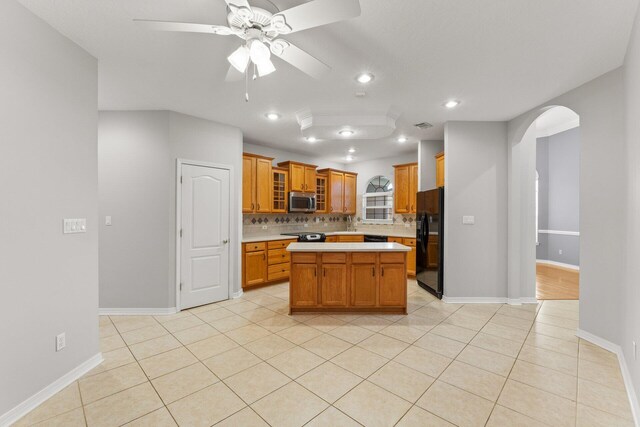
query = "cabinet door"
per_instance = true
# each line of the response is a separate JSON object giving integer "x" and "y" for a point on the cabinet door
{"x": 401, "y": 186}
{"x": 411, "y": 256}
{"x": 255, "y": 267}
{"x": 279, "y": 195}
{"x": 248, "y": 186}
{"x": 413, "y": 188}
{"x": 310, "y": 179}
{"x": 349, "y": 194}
{"x": 336, "y": 184}
{"x": 440, "y": 170}
{"x": 297, "y": 177}
{"x": 333, "y": 285}
{"x": 263, "y": 185}
{"x": 305, "y": 291}
{"x": 321, "y": 194}
{"x": 393, "y": 285}
{"x": 364, "y": 285}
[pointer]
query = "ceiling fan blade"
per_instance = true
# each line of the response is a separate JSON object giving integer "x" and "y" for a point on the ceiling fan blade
{"x": 319, "y": 12}
{"x": 303, "y": 61}
{"x": 233, "y": 75}
{"x": 184, "y": 27}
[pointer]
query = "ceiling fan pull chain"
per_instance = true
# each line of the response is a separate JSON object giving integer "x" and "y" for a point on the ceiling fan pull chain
{"x": 255, "y": 76}
{"x": 246, "y": 86}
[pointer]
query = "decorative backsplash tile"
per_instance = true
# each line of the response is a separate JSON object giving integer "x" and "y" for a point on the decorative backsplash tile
{"x": 253, "y": 224}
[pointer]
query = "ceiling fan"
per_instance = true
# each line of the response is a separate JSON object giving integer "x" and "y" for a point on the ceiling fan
{"x": 260, "y": 31}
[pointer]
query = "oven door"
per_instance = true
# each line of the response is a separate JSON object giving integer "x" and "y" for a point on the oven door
{"x": 302, "y": 202}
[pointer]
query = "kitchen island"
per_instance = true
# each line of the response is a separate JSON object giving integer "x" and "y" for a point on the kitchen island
{"x": 348, "y": 277}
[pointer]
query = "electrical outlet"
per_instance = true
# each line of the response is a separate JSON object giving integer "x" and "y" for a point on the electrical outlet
{"x": 264, "y": 227}
{"x": 306, "y": 225}
{"x": 60, "y": 341}
{"x": 326, "y": 225}
{"x": 560, "y": 252}
{"x": 468, "y": 220}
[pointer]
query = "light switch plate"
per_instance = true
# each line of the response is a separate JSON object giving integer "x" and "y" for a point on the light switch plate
{"x": 61, "y": 341}
{"x": 76, "y": 225}
{"x": 107, "y": 220}
{"x": 468, "y": 220}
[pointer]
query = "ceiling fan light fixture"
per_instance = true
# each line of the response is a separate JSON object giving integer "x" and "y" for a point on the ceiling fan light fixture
{"x": 265, "y": 68}
{"x": 239, "y": 59}
{"x": 259, "y": 52}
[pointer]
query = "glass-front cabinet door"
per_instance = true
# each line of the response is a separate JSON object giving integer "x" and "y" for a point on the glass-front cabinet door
{"x": 321, "y": 193}
{"x": 280, "y": 180}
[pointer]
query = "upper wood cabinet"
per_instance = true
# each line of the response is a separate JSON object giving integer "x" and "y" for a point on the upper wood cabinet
{"x": 302, "y": 176}
{"x": 440, "y": 169}
{"x": 256, "y": 183}
{"x": 321, "y": 193}
{"x": 341, "y": 191}
{"x": 405, "y": 187}
{"x": 280, "y": 190}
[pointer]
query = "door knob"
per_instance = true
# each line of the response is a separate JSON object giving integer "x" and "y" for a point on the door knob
{"x": 225, "y": 241}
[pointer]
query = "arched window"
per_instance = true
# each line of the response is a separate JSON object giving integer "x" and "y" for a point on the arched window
{"x": 377, "y": 202}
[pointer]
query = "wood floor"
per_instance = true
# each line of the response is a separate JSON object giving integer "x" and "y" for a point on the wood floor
{"x": 554, "y": 282}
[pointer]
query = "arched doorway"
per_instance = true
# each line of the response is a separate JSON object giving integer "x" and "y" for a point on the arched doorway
{"x": 523, "y": 204}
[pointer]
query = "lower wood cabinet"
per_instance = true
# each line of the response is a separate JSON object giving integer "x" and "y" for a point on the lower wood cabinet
{"x": 344, "y": 281}
{"x": 411, "y": 256}
{"x": 265, "y": 263}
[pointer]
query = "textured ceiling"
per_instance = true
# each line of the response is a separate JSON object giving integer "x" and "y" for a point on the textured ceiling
{"x": 499, "y": 57}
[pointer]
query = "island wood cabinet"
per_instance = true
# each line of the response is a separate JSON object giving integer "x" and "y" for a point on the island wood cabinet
{"x": 341, "y": 191}
{"x": 256, "y": 183}
{"x": 348, "y": 281}
{"x": 265, "y": 263}
{"x": 405, "y": 187}
{"x": 440, "y": 169}
{"x": 302, "y": 176}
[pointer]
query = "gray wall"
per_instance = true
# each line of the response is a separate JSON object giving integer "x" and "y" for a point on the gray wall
{"x": 137, "y": 166}
{"x": 603, "y": 186}
{"x": 48, "y": 170}
{"x": 426, "y": 153}
{"x": 629, "y": 297}
{"x": 558, "y": 163}
{"x": 476, "y": 184}
{"x": 283, "y": 156}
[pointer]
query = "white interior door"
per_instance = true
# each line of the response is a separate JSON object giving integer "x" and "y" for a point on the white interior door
{"x": 204, "y": 261}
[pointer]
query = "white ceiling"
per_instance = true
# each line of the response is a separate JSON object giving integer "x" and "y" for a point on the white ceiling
{"x": 499, "y": 57}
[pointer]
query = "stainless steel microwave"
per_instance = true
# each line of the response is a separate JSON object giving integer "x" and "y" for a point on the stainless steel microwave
{"x": 302, "y": 202}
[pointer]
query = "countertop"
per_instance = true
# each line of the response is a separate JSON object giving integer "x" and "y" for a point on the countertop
{"x": 275, "y": 237}
{"x": 348, "y": 247}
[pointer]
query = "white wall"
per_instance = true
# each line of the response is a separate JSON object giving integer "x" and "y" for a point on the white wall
{"x": 283, "y": 156}
{"x": 137, "y": 160}
{"x": 369, "y": 169}
{"x": 630, "y": 296}
{"x": 48, "y": 170}
{"x": 475, "y": 260}
{"x": 426, "y": 152}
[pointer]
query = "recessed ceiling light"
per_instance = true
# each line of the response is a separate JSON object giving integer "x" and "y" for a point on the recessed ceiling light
{"x": 349, "y": 158}
{"x": 364, "y": 78}
{"x": 452, "y": 104}
{"x": 311, "y": 139}
{"x": 402, "y": 139}
{"x": 346, "y": 133}
{"x": 272, "y": 116}
{"x": 352, "y": 150}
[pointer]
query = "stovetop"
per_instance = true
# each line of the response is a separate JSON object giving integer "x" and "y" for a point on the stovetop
{"x": 308, "y": 236}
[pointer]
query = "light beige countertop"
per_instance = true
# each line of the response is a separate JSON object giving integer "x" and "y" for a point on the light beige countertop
{"x": 271, "y": 238}
{"x": 347, "y": 247}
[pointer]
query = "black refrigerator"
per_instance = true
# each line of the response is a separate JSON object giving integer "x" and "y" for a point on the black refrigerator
{"x": 429, "y": 241}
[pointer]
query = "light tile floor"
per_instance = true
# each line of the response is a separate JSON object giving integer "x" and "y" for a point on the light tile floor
{"x": 246, "y": 362}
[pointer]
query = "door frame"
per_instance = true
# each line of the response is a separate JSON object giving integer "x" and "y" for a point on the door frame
{"x": 232, "y": 221}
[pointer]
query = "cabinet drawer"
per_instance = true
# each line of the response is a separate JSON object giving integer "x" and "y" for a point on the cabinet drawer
{"x": 391, "y": 257}
{"x": 253, "y": 247}
{"x": 363, "y": 258}
{"x": 303, "y": 257}
{"x": 394, "y": 239}
{"x": 334, "y": 258}
{"x": 350, "y": 239}
{"x": 278, "y": 271}
{"x": 332, "y": 239}
{"x": 279, "y": 244}
{"x": 277, "y": 256}
{"x": 409, "y": 242}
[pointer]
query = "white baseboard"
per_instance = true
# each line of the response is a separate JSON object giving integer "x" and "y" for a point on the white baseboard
{"x": 474, "y": 300}
{"x": 136, "y": 311}
{"x": 237, "y": 294}
{"x": 626, "y": 375}
{"x": 31, "y": 403}
{"x": 558, "y": 264}
{"x": 523, "y": 300}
